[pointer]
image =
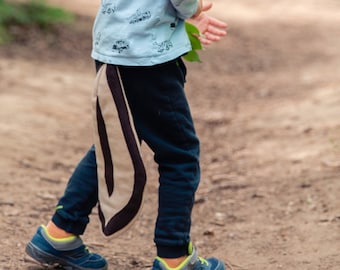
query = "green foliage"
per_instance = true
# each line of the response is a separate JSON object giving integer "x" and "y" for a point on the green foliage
{"x": 193, "y": 34}
{"x": 31, "y": 13}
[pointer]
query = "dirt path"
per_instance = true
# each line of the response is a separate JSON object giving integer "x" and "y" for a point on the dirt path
{"x": 267, "y": 113}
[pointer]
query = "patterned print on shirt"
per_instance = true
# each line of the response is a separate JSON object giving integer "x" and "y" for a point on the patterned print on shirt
{"x": 108, "y": 9}
{"x": 120, "y": 46}
{"x": 140, "y": 16}
{"x": 97, "y": 39}
{"x": 163, "y": 46}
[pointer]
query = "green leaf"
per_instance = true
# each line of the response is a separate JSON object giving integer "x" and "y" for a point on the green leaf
{"x": 193, "y": 34}
{"x": 192, "y": 56}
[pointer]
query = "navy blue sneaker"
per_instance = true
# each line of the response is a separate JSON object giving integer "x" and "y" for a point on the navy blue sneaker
{"x": 193, "y": 262}
{"x": 70, "y": 253}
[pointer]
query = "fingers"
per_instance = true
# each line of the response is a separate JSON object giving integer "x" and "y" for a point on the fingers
{"x": 209, "y": 38}
{"x": 205, "y": 41}
{"x": 211, "y": 29}
{"x": 206, "y": 6}
{"x": 217, "y": 23}
{"x": 216, "y": 31}
{"x": 212, "y": 34}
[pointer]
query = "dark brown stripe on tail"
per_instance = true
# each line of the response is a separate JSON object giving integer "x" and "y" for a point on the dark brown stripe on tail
{"x": 104, "y": 142}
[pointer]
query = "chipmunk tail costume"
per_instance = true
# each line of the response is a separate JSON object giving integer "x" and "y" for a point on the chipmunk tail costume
{"x": 121, "y": 173}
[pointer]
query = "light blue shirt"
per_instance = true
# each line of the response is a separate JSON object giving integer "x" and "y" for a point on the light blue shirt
{"x": 141, "y": 32}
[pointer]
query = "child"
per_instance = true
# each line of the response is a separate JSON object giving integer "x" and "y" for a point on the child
{"x": 140, "y": 43}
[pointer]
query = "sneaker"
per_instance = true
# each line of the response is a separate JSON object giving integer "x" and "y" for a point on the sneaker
{"x": 193, "y": 262}
{"x": 70, "y": 253}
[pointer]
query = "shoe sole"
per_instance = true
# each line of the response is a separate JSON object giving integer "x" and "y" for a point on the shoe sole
{"x": 48, "y": 259}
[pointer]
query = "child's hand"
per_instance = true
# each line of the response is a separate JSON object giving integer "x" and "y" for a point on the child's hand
{"x": 211, "y": 29}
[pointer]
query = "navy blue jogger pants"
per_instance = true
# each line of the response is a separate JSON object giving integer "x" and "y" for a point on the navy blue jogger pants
{"x": 162, "y": 120}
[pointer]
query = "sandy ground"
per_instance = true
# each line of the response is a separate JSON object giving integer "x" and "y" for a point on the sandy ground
{"x": 266, "y": 104}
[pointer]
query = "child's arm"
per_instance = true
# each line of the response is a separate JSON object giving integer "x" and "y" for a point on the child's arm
{"x": 199, "y": 9}
{"x": 187, "y": 8}
{"x": 211, "y": 29}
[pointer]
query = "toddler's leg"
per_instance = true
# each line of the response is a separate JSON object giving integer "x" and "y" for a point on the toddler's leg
{"x": 80, "y": 196}
{"x": 163, "y": 120}
{"x": 59, "y": 243}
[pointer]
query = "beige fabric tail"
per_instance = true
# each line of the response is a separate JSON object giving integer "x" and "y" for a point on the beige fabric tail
{"x": 121, "y": 173}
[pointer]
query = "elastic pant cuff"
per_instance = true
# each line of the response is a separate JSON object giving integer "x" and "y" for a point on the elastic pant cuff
{"x": 172, "y": 252}
{"x": 75, "y": 228}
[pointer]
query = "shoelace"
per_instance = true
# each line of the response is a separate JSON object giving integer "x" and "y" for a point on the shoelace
{"x": 203, "y": 261}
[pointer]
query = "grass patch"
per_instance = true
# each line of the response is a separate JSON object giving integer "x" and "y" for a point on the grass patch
{"x": 33, "y": 13}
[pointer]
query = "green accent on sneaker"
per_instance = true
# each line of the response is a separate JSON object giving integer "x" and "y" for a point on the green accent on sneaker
{"x": 71, "y": 255}
{"x": 58, "y": 240}
{"x": 192, "y": 262}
